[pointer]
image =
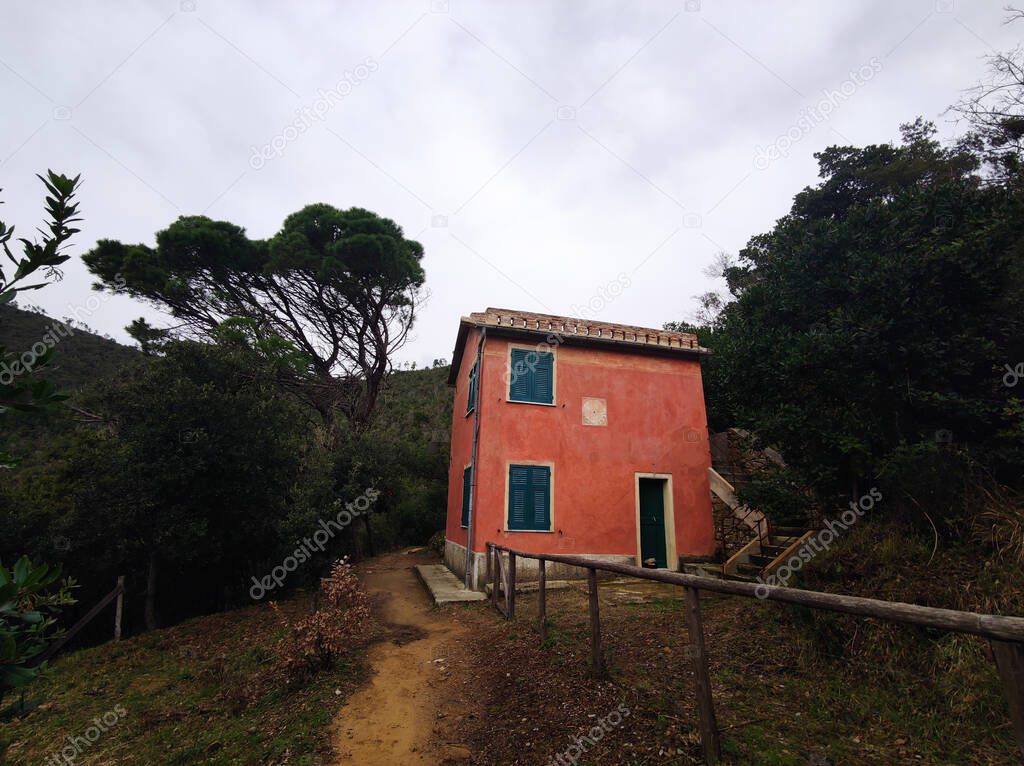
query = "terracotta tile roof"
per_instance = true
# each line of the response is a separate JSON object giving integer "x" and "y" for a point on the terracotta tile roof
{"x": 579, "y": 329}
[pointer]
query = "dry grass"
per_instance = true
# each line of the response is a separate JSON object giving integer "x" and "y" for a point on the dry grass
{"x": 790, "y": 688}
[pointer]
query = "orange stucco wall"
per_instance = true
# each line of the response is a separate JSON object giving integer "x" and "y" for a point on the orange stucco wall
{"x": 656, "y": 424}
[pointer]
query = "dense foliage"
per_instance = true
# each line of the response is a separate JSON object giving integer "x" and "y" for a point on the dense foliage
{"x": 20, "y": 388}
{"x": 870, "y": 331}
{"x": 195, "y": 467}
{"x": 31, "y": 597}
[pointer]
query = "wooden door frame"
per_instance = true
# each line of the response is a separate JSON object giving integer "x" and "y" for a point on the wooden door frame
{"x": 671, "y": 559}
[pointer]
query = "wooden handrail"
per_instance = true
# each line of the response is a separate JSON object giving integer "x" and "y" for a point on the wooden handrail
{"x": 991, "y": 626}
{"x": 1005, "y": 633}
{"x": 57, "y": 645}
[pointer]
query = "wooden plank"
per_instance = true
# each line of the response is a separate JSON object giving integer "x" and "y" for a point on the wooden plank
{"x": 1009, "y": 658}
{"x": 731, "y": 563}
{"x": 705, "y": 705}
{"x": 786, "y": 554}
{"x": 56, "y": 646}
{"x": 119, "y": 609}
{"x": 987, "y": 625}
{"x": 597, "y": 658}
{"x": 542, "y": 607}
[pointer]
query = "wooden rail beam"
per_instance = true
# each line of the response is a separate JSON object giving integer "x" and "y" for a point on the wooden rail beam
{"x": 992, "y": 626}
{"x": 57, "y": 645}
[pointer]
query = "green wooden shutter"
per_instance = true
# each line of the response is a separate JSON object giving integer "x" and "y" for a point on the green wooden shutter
{"x": 529, "y": 498}
{"x": 519, "y": 376}
{"x": 544, "y": 378}
{"x": 474, "y": 387}
{"x": 518, "y": 496}
{"x": 467, "y": 490}
{"x": 540, "y": 487}
{"x": 532, "y": 376}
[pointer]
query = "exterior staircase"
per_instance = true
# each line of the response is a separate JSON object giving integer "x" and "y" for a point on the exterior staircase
{"x": 770, "y": 546}
{"x": 762, "y": 556}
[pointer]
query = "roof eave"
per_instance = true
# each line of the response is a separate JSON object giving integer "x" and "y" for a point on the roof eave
{"x": 568, "y": 339}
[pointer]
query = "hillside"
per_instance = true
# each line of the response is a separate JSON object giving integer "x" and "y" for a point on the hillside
{"x": 80, "y": 357}
{"x": 203, "y": 691}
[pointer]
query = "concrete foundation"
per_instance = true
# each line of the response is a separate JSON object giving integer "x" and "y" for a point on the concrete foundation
{"x": 527, "y": 570}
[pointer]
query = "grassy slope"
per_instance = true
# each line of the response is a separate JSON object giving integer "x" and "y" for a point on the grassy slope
{"x": 200, "y": 692}
{"x": 781, "y": 698}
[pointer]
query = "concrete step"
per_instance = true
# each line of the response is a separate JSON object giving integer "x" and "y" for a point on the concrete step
{"x": 444, "y": 587}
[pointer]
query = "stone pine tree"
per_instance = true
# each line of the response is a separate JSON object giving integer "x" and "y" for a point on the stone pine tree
{"x": 329, "y": 299}
{"x": 339, "y": 287}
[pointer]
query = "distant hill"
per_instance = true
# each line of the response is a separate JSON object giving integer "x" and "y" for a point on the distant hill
{"x": 416, "y": 402}
{"x": 79, "y": 359}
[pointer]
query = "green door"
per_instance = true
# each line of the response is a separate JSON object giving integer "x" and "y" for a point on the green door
{"x": 652, "y": 523}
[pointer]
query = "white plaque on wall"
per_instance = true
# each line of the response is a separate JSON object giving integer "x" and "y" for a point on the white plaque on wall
{"x": 595, "y": 412}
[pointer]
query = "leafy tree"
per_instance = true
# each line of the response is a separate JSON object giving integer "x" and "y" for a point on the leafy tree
{"x": 870, "y": 328}
{"x": 19, "y": 390}
{"x": 31, "y": 597}
{"x": 184, "y": 476}
{"x": 151, "y": 339}
{"x": 994, "y": 110}
{"x": 340, "y": 286}
{"x": 28, "y": 605}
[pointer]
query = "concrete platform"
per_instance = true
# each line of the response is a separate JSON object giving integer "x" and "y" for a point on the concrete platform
{"x": 444, "y": 587}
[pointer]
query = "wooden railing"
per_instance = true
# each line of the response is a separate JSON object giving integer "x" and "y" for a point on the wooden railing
{"x": 103, "y": 603}
{"x": 1006, "y": 634}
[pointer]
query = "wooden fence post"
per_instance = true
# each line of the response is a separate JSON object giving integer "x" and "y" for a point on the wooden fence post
{"x": 597, "y": 659}
{"x": 119, "y": 609}
{"x": 498, "y": 577}
{"x": 705, "y": 705}
{"x": 511, "y": 595}
{"x": 542, "y": 606}
{"x": 1009, "y": 656}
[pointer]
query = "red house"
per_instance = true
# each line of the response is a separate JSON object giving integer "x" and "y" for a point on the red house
{"x": 573, "y": 436}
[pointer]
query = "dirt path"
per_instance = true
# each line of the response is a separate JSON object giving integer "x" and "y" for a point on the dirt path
{"x": 406, "y": 713}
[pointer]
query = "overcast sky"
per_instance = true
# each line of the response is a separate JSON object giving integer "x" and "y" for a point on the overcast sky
{"x": 539, "y": 151}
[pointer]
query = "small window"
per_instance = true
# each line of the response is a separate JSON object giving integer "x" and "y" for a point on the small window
{"x": 529, "y": 498}
{"x": 532, "y": 376}
{"x": 467, "y": 490}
